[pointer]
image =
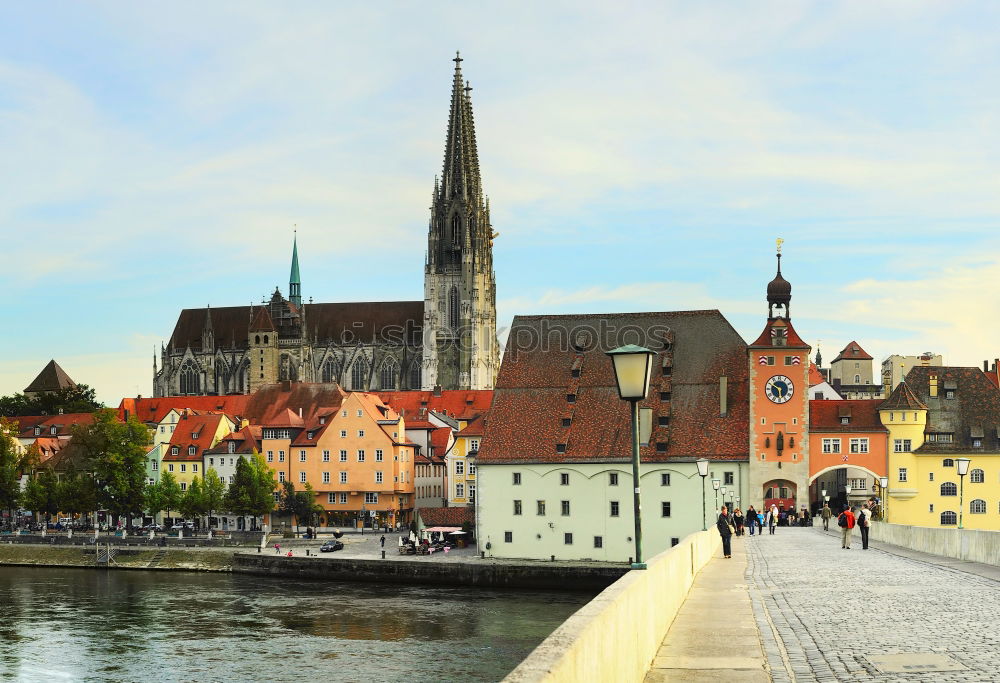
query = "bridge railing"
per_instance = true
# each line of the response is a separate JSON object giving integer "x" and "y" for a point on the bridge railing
{"x": 615, "y": 636}
{"x": 971, "y": 545}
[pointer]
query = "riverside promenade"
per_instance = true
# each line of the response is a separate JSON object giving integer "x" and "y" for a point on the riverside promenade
{"x": 796, "y": 607}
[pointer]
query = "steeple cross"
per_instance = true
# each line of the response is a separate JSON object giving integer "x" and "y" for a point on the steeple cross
{"x": 457, "y": 60}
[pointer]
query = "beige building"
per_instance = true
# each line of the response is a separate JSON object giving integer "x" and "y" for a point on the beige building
{"x": 895, "y": 367}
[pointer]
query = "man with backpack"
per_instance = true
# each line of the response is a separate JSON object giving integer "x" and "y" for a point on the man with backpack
{"x": 864, "y": 522}
{"x": 846, "y": 523}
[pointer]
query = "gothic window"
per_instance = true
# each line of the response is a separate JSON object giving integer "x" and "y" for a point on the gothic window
{"x": 415, "y": 376}
{"x": 330, "y": 370}
{"x": 359, "y": 375}
{"x": 456, "y": 230}
{"x": 453, "y": 304}
{"x": 220, "y": 378}
{"x": 189, "y": 378}
{"x": 387, "y": 377}
{"x": 241, "y": 379}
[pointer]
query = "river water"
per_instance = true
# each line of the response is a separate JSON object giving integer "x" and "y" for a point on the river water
{"x": 90, "y": 625}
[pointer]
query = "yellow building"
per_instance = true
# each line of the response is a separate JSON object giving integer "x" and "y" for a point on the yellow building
{"x": 192, "y": 436}
{"x": 461, "y": 461}
{"x": 938, "y": 416}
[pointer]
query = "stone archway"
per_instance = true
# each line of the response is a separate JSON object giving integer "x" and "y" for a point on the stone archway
{"x": 780, "y": 492}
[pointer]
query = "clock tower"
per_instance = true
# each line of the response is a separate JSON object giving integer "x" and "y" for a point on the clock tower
{"x": 779, "y": 406}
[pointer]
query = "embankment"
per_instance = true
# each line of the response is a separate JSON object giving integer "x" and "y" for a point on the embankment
{"x": 125, "y": 558}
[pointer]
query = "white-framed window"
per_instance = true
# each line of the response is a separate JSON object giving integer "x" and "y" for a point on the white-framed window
{"x": 326, "y": 477}
{"x": 343, "y": 477}
{"x": 211, "y": 462}
{"x": 343, "y": 456}
{"x": 343, "y": 499}
{"x": 361, "y": 455}
{"x": 564, "y": 478}
{"x": 976, "y": 476}
{"x": 184, "y": 486}
{"x": 361, "y": 433}
{"x": 326, "y": 456}
{"x": 277, "y": 497}
{"x": 378, "y": 455}
{"x": 378, "y": 477}
{"x": 859, "y": 445}
{"x": 459, "y": 467}
{"x": 194, "y": 467}
{"x": 155, "y": 465}
{"x": 978, "y": 507}
{"x": 472, "y": 470}
{"x": 343, "y": 433}
{"x": 664, "y": 509}
{"x": 517, "y": 507}
{"x": 270, "y": 456}
{"x": 232, "y": 446}
{"x": 170, "y": 467}
{"x": 473, "y": 444}
{"x": 281, "y": 456}
{"x": 901, "y": 476}
{"x": 183, "y": 467}
{"x": 949, "y": 518}
{"x": 460, "y": 490}
{"x": 331, "y": 498}
{"x": 371, "y": 498}
{"x": 232, "y": 478}
{"x": 949, "y": 488}
{"x": 540, "y": 508}
{"x": 831, "y": 445}
{"x": 281, "y": 477}
{"x": 901, "y": 445}
{"x": 302, "y": 477}
{"x": 302, "y": 456}
{"x": 361, "y": 413}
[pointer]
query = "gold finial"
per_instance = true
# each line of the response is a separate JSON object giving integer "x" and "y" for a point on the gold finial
{"x": 779, "y": 242}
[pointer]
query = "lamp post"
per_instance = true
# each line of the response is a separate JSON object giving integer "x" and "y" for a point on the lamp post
{"x": 703, "y": 472}
{"x": 723, "y": 492}
{"x": 847, "y": 495}
{"x": 963, "y": 469}
{"x": 632, "y": 365}
{"x": 716, "y": 483}
{"x": 883, "y": 483}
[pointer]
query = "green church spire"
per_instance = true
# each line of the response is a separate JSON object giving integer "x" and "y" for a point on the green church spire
{"x": 294, "y": 280}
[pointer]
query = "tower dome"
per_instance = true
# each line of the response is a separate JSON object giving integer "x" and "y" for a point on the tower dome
{"x": 779, "y": 291}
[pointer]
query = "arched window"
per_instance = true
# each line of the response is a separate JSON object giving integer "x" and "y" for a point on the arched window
{"x": 189, "y": 378}
{"x": 947, "y": 462}
{"x": 359, "y": 375}
{"x": 949, "y": 519}
{"x": 286, "y": 368}
{"x": 456, "y": 230}
{"x": 949, "y": 489}
{"x": 387, "y": 376}
{"x": 241, "y": 379}
{"x": 978, "y": 507}
{"x": 453, "y": 304}
{"x": 977, "y": 476}
{"x": 256, "y": 339}
{"x": 330, "y": 370}
{"x": 415, "y": 376}
{"x": 857, "y": 379}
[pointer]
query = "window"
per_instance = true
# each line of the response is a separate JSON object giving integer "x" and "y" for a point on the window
{"x": 378, "y": 478}
{"x": 277, "y": 496}
{"x": 560, "y": 448}
{"x": 361, "y": 455}
{"x": 309, "y": 435}
{"x": 664, "y": 509}
{"x": 564, "y": 479}
{"x": 901, "y": 445}
{"x": 473, "y": 445}
{"x": 343, "y": 433}
{"x": 977, "y": 477}
{"x": 612, "y": 479}
{"x": 194, "y": 467}
{"x": 977, "y": 443}
{"x": 326, "y": 456}
{"x": 343, "y": 456}
{"x": 845, "y": 420}
{"x": 565, "y": 508}
{"x": 949, "y": 518}
{"x": 359, "y": 375}
{"x": 184, "y": 486}
{"x": 459, "y": 467}
{"x": 170, "y": 467}
{"x": 517, "y": 507}
{"x": 978, "y": 507}
{"x": 331, "y": 498}
{"x": 831, "y": 445}
{"x": 540, "y": 511}
{"x": 361, "y": 433}
{"x": 947, "y": 462}
{"x": 371, "y": 498}
{"x": 859, "y": 445}
{"x": 175, "y": 450}
{"x": 930, "y": 476}
{"x": 302, "y": 456}
{"x": 571, "y": 398}
{"x": 949, "y": 489}
{"x": 948, "y": 394}
{"x": 343, "y": 477}
{"x": 378, "y": 455}
{"x": 281, "y": 477}
{"x": 281, "y": 456}
{"x": 270, "y": 456}
{"x": 232, "y": 478}
{"x": 453, "y": 302}
{"x": 302, "y": 477}
{"x": 326, "y": 479}
{"x": 727, "y": 478}
{"x": 665, "y": 478}
{"x": 183, "y": 467}
{"x": 472, "y": 470}
{"x": 343, "y": 499}
{"x": 598, "y": 541}
{"x": 508, "y": 537}
{"x": 568, "y": 539}
{"x": 614, "y": 508}
{"x": 930, "y": 507}
{"x": 517, "y": 478}
{"x": 232, "y": 446}
{"x": 902, "y": 474}
{"x": 789, "y": 360}
{"x": 155, "y": 465}
{"x": 361, "y": 413}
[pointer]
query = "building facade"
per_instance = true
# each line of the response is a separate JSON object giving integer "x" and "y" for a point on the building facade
{"x": 896, "y": 367}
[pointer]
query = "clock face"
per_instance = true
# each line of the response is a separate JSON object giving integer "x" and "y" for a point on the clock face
{"x": 779, "y": 389}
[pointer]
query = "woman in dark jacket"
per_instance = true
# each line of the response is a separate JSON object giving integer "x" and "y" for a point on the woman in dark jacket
{"x": 738, "y": 521}
{"x": 723, "y": 526}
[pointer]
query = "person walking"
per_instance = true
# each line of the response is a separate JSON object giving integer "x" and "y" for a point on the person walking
{"x": 864, "y": 522}
{"x": 722, "y": 524}
{"x": 826, "y": 513}
{"x": 382, "y": 541}
{"x": 751, "y": 518}
{"x": 772, "y": 518}
{"x": 846, "y": 522}
{"x": 738, "y": 521}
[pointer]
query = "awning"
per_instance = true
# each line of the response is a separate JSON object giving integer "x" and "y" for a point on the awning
{"x": 443, "y": 528}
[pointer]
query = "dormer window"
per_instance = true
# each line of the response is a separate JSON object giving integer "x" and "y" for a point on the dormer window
{"x": 309, "y": 435}
{"x": 322, "y": 420}
{"x": 192, "y": 450}
{"x": 571, "y": 398}
{"x": 53, "y": 430}
{"x": 232, "y": 446}
{"x": 174, "y": 450}
{"x": 566, "y": 421}
{"x": 38, "y": 431}
{"x": 778, "y": 337}
{"x": 845, "y": 420}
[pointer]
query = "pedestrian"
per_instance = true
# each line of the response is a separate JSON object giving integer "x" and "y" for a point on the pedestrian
{"x": 738, "y": 521}
{"x": 382, "y": 541}
{"x": 864, "y": 522}
{"x": 289, "y": 553}
{"x": 772, "y": 518}
{"x": 722, "y": 524}
{"x": 277, "y": 549}
{"x": 846, "y": 523}
{"x": 751, "y": 518}
{"x": 826, "y": 513}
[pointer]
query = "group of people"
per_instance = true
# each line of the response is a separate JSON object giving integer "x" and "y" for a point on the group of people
{"x": 734, "y": 524}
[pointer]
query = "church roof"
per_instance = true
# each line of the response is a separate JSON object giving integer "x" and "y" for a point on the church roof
{"x": 52, "y": 378}
{"x": 261, "y": 320}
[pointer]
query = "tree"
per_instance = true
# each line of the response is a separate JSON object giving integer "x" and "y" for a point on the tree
{"x": 252, "y": 492}
{"x": 116, "y": 453}
{"x": 33, "y": 496}
{"x": 300, "y": 504}
{"x": 152, "y": 498}
{"x": 76, "y": 493}
{"x": 193, "y": 501}
{"x": 214, "y": 493}
{"x": 77, "y": 399}
{"x": 169, "y": 492}
{"x": 10, "y": 477}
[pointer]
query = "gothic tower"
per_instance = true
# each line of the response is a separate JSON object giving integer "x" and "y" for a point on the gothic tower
{"x": 779, "y": 406}
{"x": 459, "y": 336}
{"x": 294, "y": 281}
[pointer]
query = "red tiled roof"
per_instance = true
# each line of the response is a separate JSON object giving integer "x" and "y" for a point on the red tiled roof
{"x": 825, "y": 416}
{"x": 693, "y": 350}
{"x": 247, "y": 440}
{"x": 793, "y": 340}
{"x": 815, "y": 376}
{"x": 902, "y": 398}
{"x": 153, "y": 410}
{"x": 62, "y": 423}
{"x": 852, "y": 351}
{"x": 457, "y": 403}
{"x": 474, "y": 428}
{"x": 196, "y": 430}
{"x": 281, "y": 403}
{"x": 47, "y": 447}
{"x": 441, "y": 440}
{"x": 445, "y": 516}
{"x": 261, "y": 321}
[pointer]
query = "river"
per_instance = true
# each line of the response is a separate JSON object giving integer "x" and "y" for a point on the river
{"x": 92, "y": 625}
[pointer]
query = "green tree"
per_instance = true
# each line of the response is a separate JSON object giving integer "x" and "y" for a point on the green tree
{"x": 76, "y": 493}
{"x": 300, "y": 504}
{"x": 152, "y": 499}
{"x": 10, "y": 471}
{"x": 116, "y": 453}
{"x": 34, "y": 496}
{"x": 252, "y": 492}
{"x": 214, "y": 493}
{"x": 169, "y": 492}
{"x": 78, "y": 399}
{"x": 193, "y": 501}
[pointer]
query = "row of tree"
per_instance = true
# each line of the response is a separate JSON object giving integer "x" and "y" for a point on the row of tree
{"x": 76, "y": 399}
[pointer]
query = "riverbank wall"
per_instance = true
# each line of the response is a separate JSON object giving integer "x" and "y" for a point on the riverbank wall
{"x": 970, "y": 545}
{"x": 479, "y": 573}
{"x": 48, "y": 555}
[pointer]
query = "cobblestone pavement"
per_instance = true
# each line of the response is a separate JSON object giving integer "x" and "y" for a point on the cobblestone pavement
{"x": 822, "y": 611}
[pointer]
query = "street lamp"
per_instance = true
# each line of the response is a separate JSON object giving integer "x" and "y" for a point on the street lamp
{"x": 723, "y": 492}
{"x": 632, "y": 365}
{"x": 963, "y": 469}
{"x": 847, "y": 496}
{"x": 716, "y": 483}
{"x": 703, "y": 472}
{"x": 883, "y": 483}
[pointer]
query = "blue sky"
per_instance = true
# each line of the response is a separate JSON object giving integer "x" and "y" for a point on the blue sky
{"x": 638, "y": 156}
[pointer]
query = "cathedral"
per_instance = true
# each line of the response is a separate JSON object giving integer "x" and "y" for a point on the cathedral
{"x": 447, "y": 340}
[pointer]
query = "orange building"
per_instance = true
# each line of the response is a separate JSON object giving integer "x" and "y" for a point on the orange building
{"x": 847, "y": 443}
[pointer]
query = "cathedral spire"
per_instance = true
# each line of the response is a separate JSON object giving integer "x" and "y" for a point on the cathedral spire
{"x": 460, "y": 175}
{"x": 294, "y": 280}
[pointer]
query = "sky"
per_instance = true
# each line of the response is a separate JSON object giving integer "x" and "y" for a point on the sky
{"x": 638, "y": 156}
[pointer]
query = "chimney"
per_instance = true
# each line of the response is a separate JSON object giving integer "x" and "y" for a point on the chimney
{"x": 986, "y": 366}
{"x": 723, "y": 396}
{"x": 300, "y": 412}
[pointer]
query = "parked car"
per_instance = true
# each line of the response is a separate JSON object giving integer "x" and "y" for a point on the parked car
{"x": 331, "y": 546}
